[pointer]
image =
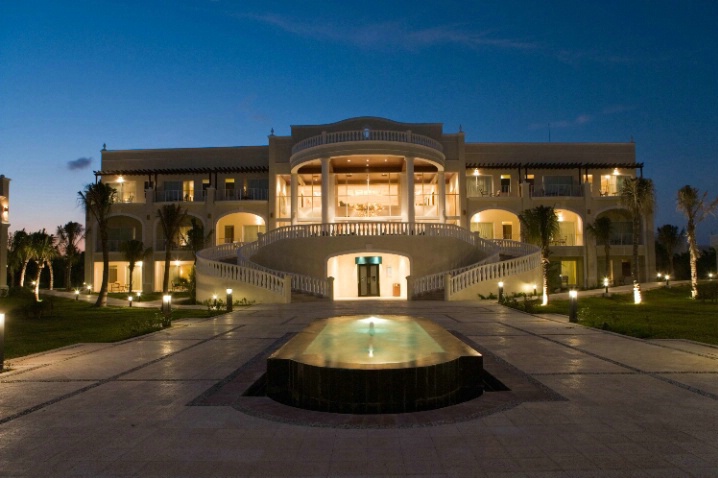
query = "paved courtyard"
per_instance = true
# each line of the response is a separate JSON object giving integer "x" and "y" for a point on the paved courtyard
{"x": 595, "y": 404}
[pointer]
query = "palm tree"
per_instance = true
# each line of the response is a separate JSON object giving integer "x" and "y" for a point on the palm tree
{"x": 540, "y": 226}
{"x": 22, "y": 250}
{"x": 13, "y": 259}
{"x": 602, "y": 230}
{"x": 97, "y": 199}
{"x": 69, "y": 237}
{"x": 669, "y": 237}
{"x": 171, "y": 217}
{"x": 133, "y": 251}
{"x": 638, "y": 196}
{"x": 693, "y": 205}
{"x": 196, "y": 239}
{"x": 43, "y": 252}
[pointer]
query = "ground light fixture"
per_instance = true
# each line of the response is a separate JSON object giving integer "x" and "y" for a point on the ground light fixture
{"x": 129, "y": 300}
{"x": 668, "y": 281}
{"x": 2, "y": 341}
{"x": 167, "y": 304}
{"x": 636, "y": 293}
{"x": 605, "y": 284}
{"x": 658, "y": 276}
{"x": 535, "y": 292}
{"x": 501, "y": 292}
{"x": 572, "y": 305}
{"x": 214, "y": 300}
{"x": 229, "y": 300}
{"x": 710, "y": 276}
{"x": 77, "y": 294}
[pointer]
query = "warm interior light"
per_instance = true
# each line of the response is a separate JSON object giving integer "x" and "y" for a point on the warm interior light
{"x": 615, "y": 171}
{"x": 120, "y": 180}
{"x": 138, "y": 263}
{"x": 177, "y": 263}
{"x": 476, "y": 171}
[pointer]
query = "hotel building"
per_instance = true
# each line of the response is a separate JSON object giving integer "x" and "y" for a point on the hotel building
{"x": 369, "y": 207}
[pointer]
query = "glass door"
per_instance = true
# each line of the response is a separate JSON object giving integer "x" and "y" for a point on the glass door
{"x": 368, "y": 280}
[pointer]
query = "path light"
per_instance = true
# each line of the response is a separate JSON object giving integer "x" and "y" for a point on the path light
{"x": 129, "y": 300}
{"x": 535, "y": 292}
{"x": 658, "y": 276}
{"x": 501, "y": 292}
{"x": 138, "y": 294}
{"x": 214, "y": 300}
{"x": 710, "y": 276}
{"x": 668, "y": 281}
{"x": 229, "y": 300}
{"x": 636, "y": 293}
{"x": 572, "y": 305}
{"x": 2, "y": 341}
{"x": 605, "y": 284}
{"x": 77, "y": 294}
{"x": 167, "y": 304}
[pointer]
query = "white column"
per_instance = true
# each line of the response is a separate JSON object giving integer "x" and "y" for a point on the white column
{"x": 294, "y": 193}
{"x": 409, "y": 198}
{"x": 442, "y": 197}
{"x": 325, "y": 189}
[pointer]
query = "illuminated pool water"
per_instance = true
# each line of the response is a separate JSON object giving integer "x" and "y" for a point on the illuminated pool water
{"x": 374, "y": 364}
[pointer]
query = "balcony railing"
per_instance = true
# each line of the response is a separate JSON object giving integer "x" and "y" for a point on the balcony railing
{"x": 367, "y": 135}
{"x": 564, "y": 190}
{"x": 250, "y": 194}
{"x": 174, "y": 195}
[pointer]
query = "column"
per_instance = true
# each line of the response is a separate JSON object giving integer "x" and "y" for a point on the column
{"x": 409, "y": 198}
{"x": 325, "y": 190}
{"x": 442, "y": 197}
{"x": 294, "y": 197}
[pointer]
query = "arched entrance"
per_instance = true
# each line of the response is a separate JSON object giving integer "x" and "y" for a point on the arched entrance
{"x": 367, "y": 275}
{"x": 239, "y": 227}
{"x": 496, "y": 224}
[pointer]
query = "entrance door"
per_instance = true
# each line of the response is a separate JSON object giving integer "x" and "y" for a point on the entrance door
{"x": 368, "y": 280}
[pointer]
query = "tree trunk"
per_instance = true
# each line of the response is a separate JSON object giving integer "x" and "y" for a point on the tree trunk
{"x": 40, "y": 265}
{"x": 52, "y": 275}
{"x": 634, "y": 260}
{"x": 545, "y": 263}
{"x": 22, "y": 273}
{"x": 102, "y": 297}
{"x": 693, "y": 251}
{"x": 166, "y": 277}
{"x": 132, "y": 268}
{"x": 68, "y": 275}
{"x": 607, "y": 251}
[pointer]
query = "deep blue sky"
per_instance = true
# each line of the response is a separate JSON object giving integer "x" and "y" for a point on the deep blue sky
{"x": 147, "y": 74}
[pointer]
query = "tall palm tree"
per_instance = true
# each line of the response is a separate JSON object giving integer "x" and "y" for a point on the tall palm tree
{"x": 171, "y": 217}
{"x": 43, "y": 252}
{"x": 602, "y": 230}
{"x": 97, "y": 199}
{"x": 693, "y": 205}
{"x": 13, "y": 259}
{"x": 69, "y": 237}
{"x": 133, "y": 251}
{"x": 540, "y": 226}
{"x": 638, "y": 196}
{"x": 669, "y": 237}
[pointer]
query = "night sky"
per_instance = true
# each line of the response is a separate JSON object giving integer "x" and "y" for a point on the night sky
{"x": 154, "y": 74}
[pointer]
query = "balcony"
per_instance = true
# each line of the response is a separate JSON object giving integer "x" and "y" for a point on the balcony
{"x": 427, "y": 147}
{"x": 558, "y": 190}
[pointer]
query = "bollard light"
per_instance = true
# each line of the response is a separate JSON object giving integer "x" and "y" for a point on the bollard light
{"x": 167, "y": 304}
{"x": 2, "y": 341}
{"x": 129, "y": 300}
{"x": 501, "y": 292}
{"x": 572, "y": 305}
{"x": 710, "y": 276}
{"x": 214, "y": 300}
{"x": 605, "y": 284}
{"x": 229, "y": 300}
{"x": 658, "y": 276}
{"x": 77, "y": 294}
{"x": 668, "y": 281}
{"x": 138, "y": 295}
{"x": 636, "y": 293}
{"x": 535, "y": 292}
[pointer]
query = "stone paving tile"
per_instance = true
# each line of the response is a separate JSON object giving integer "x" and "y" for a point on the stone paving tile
{"x": 126, "y": 413}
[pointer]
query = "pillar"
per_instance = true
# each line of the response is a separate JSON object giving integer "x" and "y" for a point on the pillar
{"x": 325, "y": 190}
{"x": 294, "y": 197}
{"x": 442, "y": 198}
{"x": 409, "y": 193}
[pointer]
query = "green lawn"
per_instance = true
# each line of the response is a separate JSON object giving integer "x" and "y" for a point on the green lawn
{"x": 663, "y": 314}
{"x": 66, "y": 322}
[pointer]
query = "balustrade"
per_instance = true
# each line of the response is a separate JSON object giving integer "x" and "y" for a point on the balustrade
{"x": 367, "y": 135}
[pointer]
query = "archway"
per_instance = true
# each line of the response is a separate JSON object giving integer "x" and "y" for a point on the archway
{"x": 496, "y": 224}
{"x": 239, "y": 227}
{"x": 377, "y": 275}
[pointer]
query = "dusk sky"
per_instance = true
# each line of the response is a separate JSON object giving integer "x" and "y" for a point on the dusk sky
{"x": 196, "y": 73}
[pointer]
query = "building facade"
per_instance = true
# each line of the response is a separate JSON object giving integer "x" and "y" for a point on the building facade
{"x": 4, "y": 230}
{"x": 365, "y": 171}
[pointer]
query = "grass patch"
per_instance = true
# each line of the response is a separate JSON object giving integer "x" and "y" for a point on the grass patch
{"x": 56, "y": 322}
{"x": 663, "y": 314}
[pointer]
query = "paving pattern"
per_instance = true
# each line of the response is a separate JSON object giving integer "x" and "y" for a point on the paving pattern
{"x": 597, "y": 404}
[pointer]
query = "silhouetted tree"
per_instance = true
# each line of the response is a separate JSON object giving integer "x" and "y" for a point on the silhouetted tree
{"x": 693, "y": 205}
{"x": 69, "y": 237}
{"x": 97, "y": 199}
{"x": 638, "y": 196}
{"x": 540, "y": 226}
{"x": 171, "y": 217}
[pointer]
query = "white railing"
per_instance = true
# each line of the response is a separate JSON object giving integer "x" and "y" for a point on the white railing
{"x": 485, "y": 267}
{"x": 272, "y": 281}
{"x": 367, "y": 135}
{"x": 493, "y": 272}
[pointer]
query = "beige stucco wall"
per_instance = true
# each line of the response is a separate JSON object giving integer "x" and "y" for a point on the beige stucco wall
{"x": 426, "y": 254}
{"x": 518, "y": 283}
{"x": 208, "y": 286}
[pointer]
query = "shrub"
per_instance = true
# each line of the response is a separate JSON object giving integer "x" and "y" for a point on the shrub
{"x": 708, "y": 291}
